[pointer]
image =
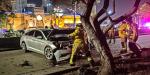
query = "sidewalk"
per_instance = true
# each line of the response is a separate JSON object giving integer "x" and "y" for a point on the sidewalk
{"x": 143, "y": 41}
{"x": 8, "y": 49}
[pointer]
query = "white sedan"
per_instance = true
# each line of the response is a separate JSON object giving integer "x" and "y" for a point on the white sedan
{"x": 45, "y": 41}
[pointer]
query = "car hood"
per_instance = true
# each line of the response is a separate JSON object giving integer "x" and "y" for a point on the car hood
{"x": 59, "y": 37}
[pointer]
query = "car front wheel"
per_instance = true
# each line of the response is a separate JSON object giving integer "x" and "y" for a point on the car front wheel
{"x": 49, "y": 53}
{"x": 24, "y": 47}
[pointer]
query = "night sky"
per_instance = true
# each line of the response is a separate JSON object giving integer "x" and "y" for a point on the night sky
{"x": 122, "y": 6}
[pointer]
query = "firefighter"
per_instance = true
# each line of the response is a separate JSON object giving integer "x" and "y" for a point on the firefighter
{"x": 79, "y": 42}
{"x": 133, "y": 37}
{"x": 134, "y": 28}
{"x": 123, "y": 34}
{"x": 133, "y": 32}
{"x": 111, "y": 35}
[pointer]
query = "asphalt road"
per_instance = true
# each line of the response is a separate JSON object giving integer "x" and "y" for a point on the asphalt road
{"x": 13, "y": 63}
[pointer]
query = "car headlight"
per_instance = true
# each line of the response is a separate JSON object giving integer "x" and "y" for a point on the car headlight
{"x": 53, "y": 46}
{"x": 56, "y": 44}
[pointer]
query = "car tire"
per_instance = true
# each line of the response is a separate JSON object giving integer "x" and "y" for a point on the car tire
{"x": 48, "y": 53}
{"x": 24, "y": 47}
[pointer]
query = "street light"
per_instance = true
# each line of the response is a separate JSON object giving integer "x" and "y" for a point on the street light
{"x": 109, "y": 12}
{"x": 48, "y": 6}
{"x": 39, "y": 17}
{"x": 39, "y": 21}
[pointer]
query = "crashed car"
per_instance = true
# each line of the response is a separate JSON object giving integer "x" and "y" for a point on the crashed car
{"x": 46, "y": 41}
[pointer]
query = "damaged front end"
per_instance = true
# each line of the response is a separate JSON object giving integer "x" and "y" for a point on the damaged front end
{"x": 62, "y": 42}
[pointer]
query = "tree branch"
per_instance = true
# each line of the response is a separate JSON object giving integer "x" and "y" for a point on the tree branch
{"x": 108, "y": 15}
{"x": 103, "y": 10}
{"x": 89, "y": 8}
{"x": 114, "y": 7}
{"x": 104, "y": 18}
{"x": 84, "y": 1}
{"x": 129, "y": 13}
{"x": 126, "y": 15}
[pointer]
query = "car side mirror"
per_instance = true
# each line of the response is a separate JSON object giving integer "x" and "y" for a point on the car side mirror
{"x": 39, "y": 37}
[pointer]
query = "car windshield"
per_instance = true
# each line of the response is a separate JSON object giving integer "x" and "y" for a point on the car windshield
{"x": 47, "y": 32}
{"x": 59, "y": 34}
{"x": 57, "y": 31}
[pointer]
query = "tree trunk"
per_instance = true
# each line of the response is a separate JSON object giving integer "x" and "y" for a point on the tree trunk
{"x": 99, "y": 41}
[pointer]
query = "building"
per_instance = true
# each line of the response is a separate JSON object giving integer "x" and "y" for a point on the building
{"x": 35, "y": 13}
{"x": 47, "y": 5}
{"x": 18, "y": 5}
{"x": 38, "y": 3}
{"x": 27, "y": 6}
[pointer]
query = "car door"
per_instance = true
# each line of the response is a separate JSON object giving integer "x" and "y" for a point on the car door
{"x": 29, "y": 40}
{"x": 39, "y": 41}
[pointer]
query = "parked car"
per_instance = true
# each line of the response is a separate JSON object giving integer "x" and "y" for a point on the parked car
{"x": 46, "y": 41}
